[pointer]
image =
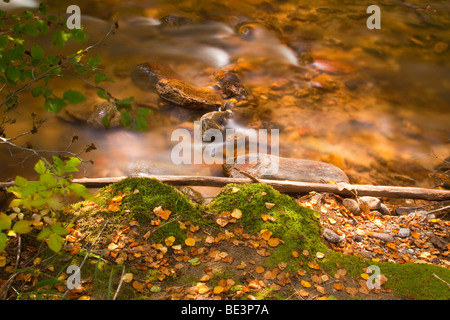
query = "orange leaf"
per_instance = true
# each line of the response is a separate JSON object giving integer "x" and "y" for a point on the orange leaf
{"x": 218, "y": 289}
{"x": 313, "y": 265}
{"x": 273, "y": 242}
{"x": 294, "y": 254}
{"x": 265, "y": 217}
{"x": 339, "y": 286}
{"x": 305, "y": 284}
{"x": 415, "y": 235}
{"x": 114, "y": 207}
{"x": 266, "y": 234}
{"x": 138, "y": 286}
{"x": 259, "y": 269}
{"x": 189, "y": 242}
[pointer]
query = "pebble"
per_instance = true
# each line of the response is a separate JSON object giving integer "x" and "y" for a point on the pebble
{"x": 372, "y": 202}
{"x": 384, "y": 210}
{"x": 383, "y": 236}
{"x": 331, "y": 236}
{"x": 404, "y": 233}
{"x": 352, "y": 206}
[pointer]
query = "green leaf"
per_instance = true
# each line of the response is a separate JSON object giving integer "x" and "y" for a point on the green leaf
{"x": 54, "y": 104}
{"x": 60, "y": 38}
{"x": 79, "y": 35}
{"x": 20, "y": 181}
{"x": 47, "y": 282}
{"x": 94, "y": 62}
{"x": 73, "y": 162}
{"x": 40, "y": 167}
{"x": 140, "y": 124}
{"x": 3, "y": 241}
{"x": 155, "y": 289}
{"x": 59, "y": 229}
{"x": 74, "y": 97}
{"x": 44, "y": 234}
{"x": 22, "y": 226}
{"x": 55, "y": 242}
{"x": 125, "y": 119}
{"x": 12, "y": 73}
{"x": 99, "y": 77}
{"x": 80, "y": 190}
{"x": 5, "y": 222}
{"x": 102, "y": 94}
{"x": 36, "y": 92}
{"x": 31, "y": 29}
{"x": 37, "y": 52}
{"x": 125, "y": 103}
{"x": 3, "y": 41}
{"x": 42, "y": 9}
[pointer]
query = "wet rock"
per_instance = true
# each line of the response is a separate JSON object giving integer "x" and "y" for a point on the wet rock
{"x": 231, "y": 86}
{"x": 105, "y": 109}
{"x": 372, "y": 202}
{"x": 215, "y": 120}
{"x": 175, "y": 21}
{"x": 278, "y": 168}
{"x": 146, "y": 75}
{"x": 331, "y": 236}
{"x": 187, "y": 95}
{"x": 404, "y": 233}
{"x": 352, "y": 206}
{"x": 383, "y": 236}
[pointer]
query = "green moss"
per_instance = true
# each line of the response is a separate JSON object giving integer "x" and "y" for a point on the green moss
{"x": 296, "y": 226}
{"x": 150, "y": 194}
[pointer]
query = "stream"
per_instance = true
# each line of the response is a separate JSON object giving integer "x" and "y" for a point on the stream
{"x": 375, "y": 103}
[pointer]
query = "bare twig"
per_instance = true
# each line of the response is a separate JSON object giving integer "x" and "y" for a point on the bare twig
{"x": 120, "y": 284}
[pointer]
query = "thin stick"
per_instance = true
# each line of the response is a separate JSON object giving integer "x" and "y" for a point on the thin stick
{"x": 120, "y": 283}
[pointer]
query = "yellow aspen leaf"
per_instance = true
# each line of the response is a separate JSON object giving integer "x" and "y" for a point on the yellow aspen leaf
{"x": 305, "y": 284}
{"x": 189, "y": 242}
{"x": 127, "y": 277}
{"x": 114, "y": 207}
{"x": 415, "y": 235}
{"x": 313, "y": 265}
{"x": 265, "y": 217}
{"x": 237, "y": 214}
{"x": 295, "y": 254}
{"x": 269, "y": 205}
{"x": 84, "y": 298}
{"x": 273, "y": 242}
{"x": 266, "y": 234}
{"x": 365, "y": 276}
{"x": 391, "y": 245}
{"x": 234, "y": 190}
{"x": 202, "y": 288}
{"x": 218, "y": 289}
{"x": 169, "y": 241}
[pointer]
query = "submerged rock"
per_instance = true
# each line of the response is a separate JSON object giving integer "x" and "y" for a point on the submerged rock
{"x": 147, "y": 75}
{"x": 105, "y": 109}
{"x": 278, "y": 168}
{"x": 215, "y": 120}
{"x": 231, "y": 86}
{"x": 187, "y": 95}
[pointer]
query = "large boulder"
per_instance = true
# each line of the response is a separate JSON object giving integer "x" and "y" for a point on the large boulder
{"x": 265, "y": 166}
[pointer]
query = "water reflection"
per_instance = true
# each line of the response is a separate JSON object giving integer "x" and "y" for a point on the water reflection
{"x": 374, "y": 103}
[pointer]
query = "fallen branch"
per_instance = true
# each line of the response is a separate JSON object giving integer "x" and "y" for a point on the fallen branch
{"x": 283, "y": 186}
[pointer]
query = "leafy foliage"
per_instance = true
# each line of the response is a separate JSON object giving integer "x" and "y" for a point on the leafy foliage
{"x": 25, "y": 64}
{"x": 43, "y": 196}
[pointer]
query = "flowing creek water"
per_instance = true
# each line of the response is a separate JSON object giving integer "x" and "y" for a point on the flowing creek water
{"x": 375, "y": 103}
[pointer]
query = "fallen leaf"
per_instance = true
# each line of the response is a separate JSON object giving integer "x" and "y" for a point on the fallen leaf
{"x": 234, "y": 190}
{"x": 320, "y": 255}
{"x": 265, "y": 217}
{"x": 138, "y": 286}
{"x": 351, "y": 291}
{"x": 266, "y": 234}
{"x": 295, "y": 254}
{"x": 218, "y": 289}
{"x": 365, "y": 276}
{"x": 259, "y": 269}
{"x": 313, "y": 265}
{"x": 282, "y": 265}
{"x": 241, "y": 266}
{"x": 189, "y": 242}
{"x": 222, "y": 222}
{"x": 127, "y": 277}
{"x": 305, "y": 284}
{"x": 202, "y": 288}
{"x": 169, "y": 241}
{"x": 269, "y": 205}
{"x": 237, "y": 214}
{"x": 303, "y": 293}
{"x": 320, "y": 289}
{"x": 415, "y": 235}
{"x": 273, "y": 242}
{"x": 338, "y": 286}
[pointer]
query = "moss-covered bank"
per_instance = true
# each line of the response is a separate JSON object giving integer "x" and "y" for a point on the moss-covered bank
{"x": 298, "y": 229}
